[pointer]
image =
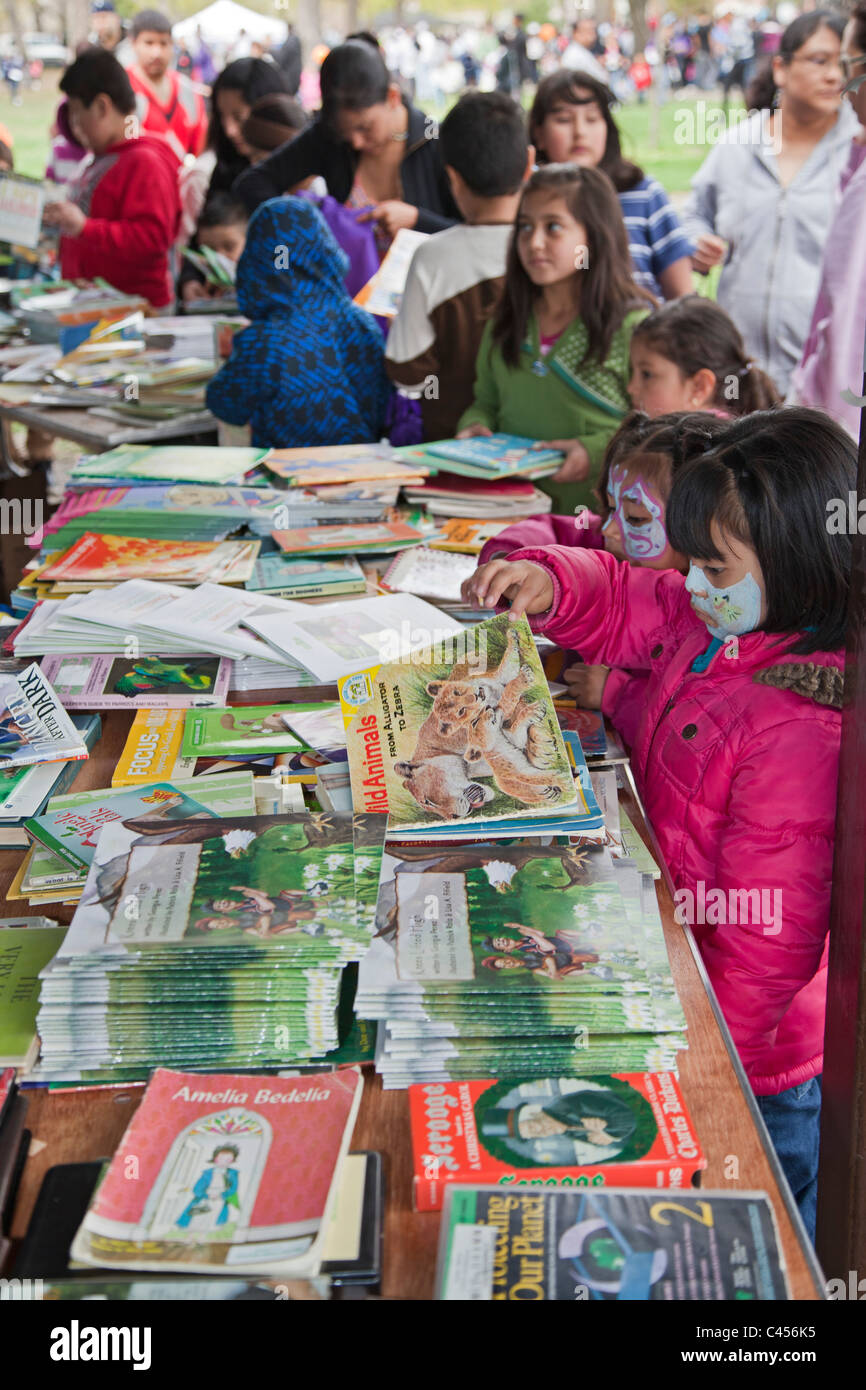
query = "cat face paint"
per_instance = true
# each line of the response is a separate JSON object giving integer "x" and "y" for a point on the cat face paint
{"x": 646, "y": 539}
{"x": 726, "y": 612}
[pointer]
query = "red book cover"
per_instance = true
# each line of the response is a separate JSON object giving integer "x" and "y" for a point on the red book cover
{"x": 627, "y": 1130}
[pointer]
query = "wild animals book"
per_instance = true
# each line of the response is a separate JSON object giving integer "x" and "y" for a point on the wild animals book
{"x": 631, "y": 1130}
{"x": 462, "y": 731}
{"x": 236, "y": 1173}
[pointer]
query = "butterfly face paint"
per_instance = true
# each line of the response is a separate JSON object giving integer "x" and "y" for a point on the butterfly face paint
{"x": 647, "y": 540}
{"x": 726, "y": 612}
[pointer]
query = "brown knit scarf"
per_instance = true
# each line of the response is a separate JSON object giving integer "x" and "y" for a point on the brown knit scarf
{"x": 823, "y": 684}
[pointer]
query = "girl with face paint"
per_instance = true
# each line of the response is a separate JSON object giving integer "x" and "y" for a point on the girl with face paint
{"x": 736, "y": 753}
{"x": 635, "y": 483}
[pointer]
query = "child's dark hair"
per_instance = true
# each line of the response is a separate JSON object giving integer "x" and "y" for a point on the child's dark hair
{"x": 353, "y": 77}
{"x": 665, "y": 443}
{"x": 608, "y": 291}
{"x": 770, "y": 481}
{"x": 98, "y": 73}
{"x": 272, "y": 121}
{"x": 149, "y": 22}
{"x": 762, "y": 92}
{"x": 483, "y": 138}
{"x": 222, "y": 210}
{"x": 695, "y": 333}
{"x": 568, "y": 88}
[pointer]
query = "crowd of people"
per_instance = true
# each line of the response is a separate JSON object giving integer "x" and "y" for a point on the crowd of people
{"x": 687, "y": 559}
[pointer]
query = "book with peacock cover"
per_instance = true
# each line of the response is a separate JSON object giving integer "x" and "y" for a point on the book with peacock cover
{"x": 139, "y": 682}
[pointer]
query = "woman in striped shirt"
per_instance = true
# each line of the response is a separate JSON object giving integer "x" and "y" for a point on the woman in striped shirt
{"x": 571, "y": 122}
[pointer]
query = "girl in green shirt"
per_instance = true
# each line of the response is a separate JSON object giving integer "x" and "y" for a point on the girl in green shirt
{"x": 554, "y": 360}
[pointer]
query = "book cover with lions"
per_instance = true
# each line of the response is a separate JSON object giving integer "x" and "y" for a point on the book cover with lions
{"x": 461, "y": 731}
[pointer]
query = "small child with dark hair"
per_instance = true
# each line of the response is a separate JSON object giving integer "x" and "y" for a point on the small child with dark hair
{"x": 222, "y": 226}
{"x": 308, "y": 370}
{"x": 129, "y": 190}
{"x": 690, "y": 355}
{"x": 456, "y": 276}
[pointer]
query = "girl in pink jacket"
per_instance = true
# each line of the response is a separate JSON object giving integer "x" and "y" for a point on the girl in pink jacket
{"x": 736, "y": 753}
{"x": 634, "y": 486}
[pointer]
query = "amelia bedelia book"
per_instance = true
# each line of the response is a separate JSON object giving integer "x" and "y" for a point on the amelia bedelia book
{"x": 461, "y": 732}
{"x": 233, "y": 1173}
{"x": 34, "y": 726}
{"x": 631, "y": 1130}
{"x": 604, "y": 1245}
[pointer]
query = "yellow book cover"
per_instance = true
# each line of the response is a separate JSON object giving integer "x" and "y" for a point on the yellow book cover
{"x": 465, "y": 536}
{"x": 152, "y": 750}
{"x": 466, "y": 726}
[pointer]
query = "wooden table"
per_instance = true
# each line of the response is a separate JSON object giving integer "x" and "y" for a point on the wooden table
{"x": 96, "y": 433}
{"x": 78, "y": 1125}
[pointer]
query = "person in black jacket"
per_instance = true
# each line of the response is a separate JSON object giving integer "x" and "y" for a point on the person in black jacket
{"x": 371, "y": 147}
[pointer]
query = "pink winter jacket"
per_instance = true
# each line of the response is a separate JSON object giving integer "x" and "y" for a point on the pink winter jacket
{"x": 623, "y": 696}
{"x": 739, "y": 782}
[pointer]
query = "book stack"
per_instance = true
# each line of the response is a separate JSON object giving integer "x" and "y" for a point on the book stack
{"x": 167, "y": 511}
{"x": 452, "y": 496}
{"x": 208, "y": 942}
{"x": 492, "y": 457}
{"x": 26, "y": 789}
{"x": 98, "y": 560}
{"x": 164, "y": 463}
{"x": 493, "y": 950}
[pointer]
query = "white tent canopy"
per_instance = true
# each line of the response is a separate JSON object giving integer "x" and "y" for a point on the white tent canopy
{"x": 222, "y": 22}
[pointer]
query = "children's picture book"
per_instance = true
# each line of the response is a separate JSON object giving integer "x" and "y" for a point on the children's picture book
{"x": 332, "y": 639}
{"x": 24, "y": 951}
{"x": 340, "y": 463}
{"x": 253, "y": 729}
{"x": 72, "y": 830}
{"x": 143, "y": 683}
{"x": 34, "y": 726}
{"x": 498, "y": 454}
{"x": 604, "y": 1245}
{"x": 236, "y": 1173}
{"x": 588, "y": 724}
{"x": 464, "y": 730}
{"x": 465, "y": 536}
{"x": 429, "y": 573}
{"x": 370, "y": 538}
{"x": 631, "y": 1130}
{"x": 152, "y": 749}
{"x": 383, "y": 293}
{"x": 169, "y": 463}
{"x": 21, "y": 204}
{"x": 288, "y": 577}
{"x": 110, "y": 559}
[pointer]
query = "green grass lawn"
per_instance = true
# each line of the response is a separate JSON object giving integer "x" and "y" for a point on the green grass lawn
{"x": 648, "y": 135}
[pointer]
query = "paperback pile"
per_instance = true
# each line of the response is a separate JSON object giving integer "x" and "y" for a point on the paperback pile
{"x": 168, "y": 511}
{"x": 493, "y": 960}
{"x": 490, "y": 456}
{"x": 208, "y": 943}
{"x": 505, "y": 499}
{"x": 492, "y": 953}
{"x": 166, "y": 463}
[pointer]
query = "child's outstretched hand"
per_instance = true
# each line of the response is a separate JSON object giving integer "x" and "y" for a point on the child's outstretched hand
{"x": 586, "y": 684}
{"x": 528, "y": 587}
{"x": 474, "y": 431}
{"x": 576, "y": 464}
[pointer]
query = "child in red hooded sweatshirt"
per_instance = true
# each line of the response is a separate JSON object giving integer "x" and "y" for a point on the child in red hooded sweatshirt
{"x": 123, "y": 213}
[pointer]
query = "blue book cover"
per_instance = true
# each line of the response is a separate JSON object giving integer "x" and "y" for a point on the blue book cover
{"x": 501, "y": 454}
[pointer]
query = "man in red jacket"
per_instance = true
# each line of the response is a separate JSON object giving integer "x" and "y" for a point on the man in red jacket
{"x": 168, "y": 105}
{"x": 123, "y": 214}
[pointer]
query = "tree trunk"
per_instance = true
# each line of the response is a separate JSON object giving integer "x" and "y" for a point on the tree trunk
{"x": 309, "y": 26}
{"x": 637, "y": 11}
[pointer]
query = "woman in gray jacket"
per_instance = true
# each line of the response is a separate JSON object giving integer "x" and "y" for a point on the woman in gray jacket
{"x": 764, "y": 198}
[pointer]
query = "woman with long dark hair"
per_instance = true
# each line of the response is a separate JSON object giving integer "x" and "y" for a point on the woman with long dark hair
{"x": 763, "y": 200}
{"x": 235, "y": 92}
{"x": 373, "y": 149}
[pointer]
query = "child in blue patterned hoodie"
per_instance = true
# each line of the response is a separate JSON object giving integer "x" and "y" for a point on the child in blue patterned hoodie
{"x": 309, "y": 369}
